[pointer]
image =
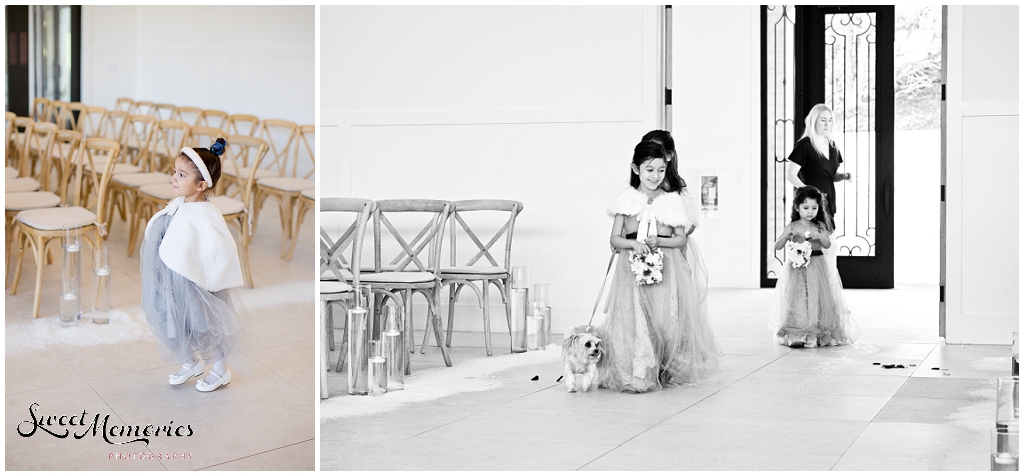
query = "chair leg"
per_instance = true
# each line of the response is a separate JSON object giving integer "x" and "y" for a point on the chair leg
{"x": 245, "y": 239}
{"x": 323, "y": 350}
{"x": 286, "y": 223}
{"x": 487, "y": 318}
{"x": 295, "y": 234}
{"x": 407, "y": 300}
{"x": 453, "y": 295}
{"x": 21, "y": 258}
{"x": 40, "y": 251}
{"x": 344, "y": 344}
{"x": 432, "y": 300}
{"x": 507, "y": 297}
{"x": 329, "y": 316}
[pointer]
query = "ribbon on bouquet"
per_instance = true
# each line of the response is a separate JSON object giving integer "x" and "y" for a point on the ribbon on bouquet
{"x": 602, "y": 295}
{"x": 648, "y": 224}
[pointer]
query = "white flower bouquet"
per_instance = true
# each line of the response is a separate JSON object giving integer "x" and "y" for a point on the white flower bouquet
{"x": 798, "y": 254}
{"x": 647, "y": 267}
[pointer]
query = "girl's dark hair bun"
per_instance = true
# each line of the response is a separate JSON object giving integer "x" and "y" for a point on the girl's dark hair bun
{"x": 218, "y": 147}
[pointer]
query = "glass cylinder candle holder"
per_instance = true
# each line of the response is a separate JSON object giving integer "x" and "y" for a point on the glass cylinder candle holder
{"x": 545, "y": 332}
{"x": 542, "y": 294}
{"x": 533, "y": 331}
{"x": 1014, "y": 368}
{"x": 1008, "y": 403}
{"x": 520, "y": 277}
{"x": 101, "y": 286}
{"x": 378, "y": 371}
{"x": 357, "y": 360}
{"x": 394, "y": 346}
{"x": 519, "y": 299}
{"x": 71, "y": 276}
{"x": 1005, "y": 454}
{"x": 70, "y": 302}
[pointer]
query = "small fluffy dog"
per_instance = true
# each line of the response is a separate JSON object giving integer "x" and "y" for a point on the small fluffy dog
{"x": 581, "y": 351}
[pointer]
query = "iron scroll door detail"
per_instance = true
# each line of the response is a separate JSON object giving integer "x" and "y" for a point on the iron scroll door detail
{"x": 843, "y": 57}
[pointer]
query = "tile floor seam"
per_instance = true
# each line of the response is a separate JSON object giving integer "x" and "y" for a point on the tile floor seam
{"x": 861, "y": 433}
{"x": 731, "y": 383}
{"x": 255, "y": 454}
{"x": 277, "y": 374}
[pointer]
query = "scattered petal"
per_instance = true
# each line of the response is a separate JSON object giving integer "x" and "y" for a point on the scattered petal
{"x": 559, "y": 378}
{"x": 935, "y": 368}
{"x": 877, "y": 363}
{"x": 888, "y": 366}
{"x": 535, "y": 378}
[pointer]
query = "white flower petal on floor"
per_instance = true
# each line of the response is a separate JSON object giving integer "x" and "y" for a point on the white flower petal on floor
{"x": 32, "y": 334}
{"x": 426, "y": 385}
{"x": 276, "y": 295}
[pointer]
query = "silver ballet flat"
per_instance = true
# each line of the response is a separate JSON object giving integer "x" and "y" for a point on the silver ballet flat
{"x": 175, "y": 379}
{"x": 225, "y": 379}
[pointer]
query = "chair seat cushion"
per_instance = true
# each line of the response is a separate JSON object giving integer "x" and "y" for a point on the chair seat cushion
{"x": 287, "y": 184}
{"x": 397, "y": 277}
{"x": 334, "y": 287}
{"x": 56, "y": 218}
{"x": 476, "y": 270}
{"x": 10, "y": 173}
{"x": 119, "y": 168}
{"x": 328, "y": 275}
{"x": 24, "y": 184}
{"x": 158, "y": 190}
{"x": 30, "y": 200}
{"x": 227, "y": 206}
{"x": 309, "y": 193}
{"x": 140, "y": 179}
{"x": 243, "y": 172}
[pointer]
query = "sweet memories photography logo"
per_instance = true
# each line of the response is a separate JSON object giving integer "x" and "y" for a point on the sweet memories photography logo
{"x": 86, "y": 424}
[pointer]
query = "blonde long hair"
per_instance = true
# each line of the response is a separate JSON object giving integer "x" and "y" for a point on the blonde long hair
{"x": 819, "y": 141}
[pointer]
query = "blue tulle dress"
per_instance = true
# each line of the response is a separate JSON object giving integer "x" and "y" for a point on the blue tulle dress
{"x": 188, "y": 321}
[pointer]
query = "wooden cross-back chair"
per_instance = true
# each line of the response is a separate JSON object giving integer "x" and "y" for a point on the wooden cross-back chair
{"x": 279, "y": 133}
{"x": 493, "y": 271}
{"x": 143, "y": 108}
{"x": 137, "y": 140}
{"x": 307, "y": 201}
{"x": 9, "y": 152}
{"x": 242, "y": 124}
{"x": 416, "y": 266}
{"x": 38, "y": 228}
{"x": 213, "y": 118}
{"x": 188, "y": 114}
{"x": 34, "y": 158}
{"x": 90, "y": 121}
{"x": 67, "y": 142}
{"x": 40, "y": 109}
{"x": 203, "y": 136}
{"x": 287, "y": 189}
{"x": 69, "y": 115}
{"x": 339, "y": 276}
{"x": 124, "y": 104}
{"x": 164, "y": 111}
{"x": 113, "y": 124}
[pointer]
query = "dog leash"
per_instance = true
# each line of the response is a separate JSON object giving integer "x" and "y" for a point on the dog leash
{"x": 611, "y": 260}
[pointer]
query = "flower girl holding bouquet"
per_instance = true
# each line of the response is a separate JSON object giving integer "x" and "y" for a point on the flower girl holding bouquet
{"x": 809, "y": 308}
{"x": 654, "y": 302}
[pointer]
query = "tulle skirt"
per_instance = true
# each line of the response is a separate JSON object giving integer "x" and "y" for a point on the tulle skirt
{"x": 189, "y": 321}
{"x": 660, "y": 334}
{"x": 809, "y": 306}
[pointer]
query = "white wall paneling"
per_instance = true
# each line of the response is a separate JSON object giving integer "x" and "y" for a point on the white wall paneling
{"x": 716, "y": 125}
{"x": 537, "y": 104}
{"x": 241, "y": 59}
{"x": 982, "y": 170}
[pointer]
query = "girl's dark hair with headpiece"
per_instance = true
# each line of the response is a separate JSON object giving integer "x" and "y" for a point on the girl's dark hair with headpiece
{"x": 673, "y": 181}
{"x": 810, "y": 193}
{"x": 211, "y": 158}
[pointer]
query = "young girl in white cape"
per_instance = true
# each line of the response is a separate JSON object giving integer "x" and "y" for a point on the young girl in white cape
{"x": 658, "y": 333}
{"x": 189, "y": 262}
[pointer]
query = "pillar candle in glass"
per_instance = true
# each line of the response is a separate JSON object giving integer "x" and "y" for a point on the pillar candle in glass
{"x": 519, "y": 303}
{"x": 1014, "y": 367}
{"x": 520, "y": 277}
{"x": 533, "y": 323}
{"x": 71, "y": 277}
{"x": 101, "y": 286}
{"x": 1007, "y": 406}
{"x": 543, "y": 296}
{"x": 378, "y": 375}
{"x": 1005, "y": 454}
{"x": 357, "y": 360}
{"x": 394, "y": 346}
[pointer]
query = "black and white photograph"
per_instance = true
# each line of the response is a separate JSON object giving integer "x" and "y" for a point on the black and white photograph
{"x": 160, "y": 292}
{"x": 525, "y": 263}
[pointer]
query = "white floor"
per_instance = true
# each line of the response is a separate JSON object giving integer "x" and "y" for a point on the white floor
{"x": 263, "y": 421}
{"x": 784, "y": 409}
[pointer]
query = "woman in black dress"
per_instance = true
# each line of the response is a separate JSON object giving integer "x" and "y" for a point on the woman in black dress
{"x": 815, "y": 159}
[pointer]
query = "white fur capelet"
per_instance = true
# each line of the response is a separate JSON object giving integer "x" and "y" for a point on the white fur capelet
{"x": 668, "y": 208}
{"x": 199, "y": 246}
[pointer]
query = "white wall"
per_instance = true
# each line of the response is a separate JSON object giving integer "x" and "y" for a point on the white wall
{"x": 538, "y": 104}
{"x": 716, "y": 126}
{"x": 982, "y": 170}
{"x": 241, "y": 59}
